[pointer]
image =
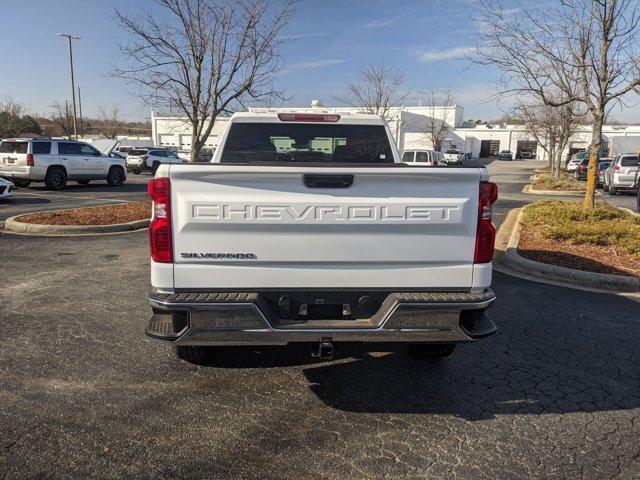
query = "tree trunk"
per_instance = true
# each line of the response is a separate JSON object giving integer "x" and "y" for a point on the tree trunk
{"x": 558, "y": 162}
{"x": 594, "y": 154}
{"x": 196, "y": 144}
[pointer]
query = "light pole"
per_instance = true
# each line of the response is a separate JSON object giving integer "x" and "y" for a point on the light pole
{"x": 73, "y": 85}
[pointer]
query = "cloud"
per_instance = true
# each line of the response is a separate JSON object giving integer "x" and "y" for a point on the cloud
{"x": 292, "y": 67}
{"x": 298, "y": 36}
{"x": 382, "y": 23}
{"x": 446, "y": 54}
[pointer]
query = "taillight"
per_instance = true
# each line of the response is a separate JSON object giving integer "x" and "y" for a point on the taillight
{"x": 486, "y": 232}
{"x": 616, "y": 168}
{"x": 308, "y": 117}
{"x": 581, "y": 167}
{"x": 160, "y": 243}
{"x": 29, "y": 160}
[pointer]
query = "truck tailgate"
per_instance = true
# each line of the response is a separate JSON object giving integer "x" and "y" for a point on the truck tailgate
{"x": 262, "y": 227}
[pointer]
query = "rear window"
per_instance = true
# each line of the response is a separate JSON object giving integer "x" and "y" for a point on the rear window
{"x": 629, "y": 162}
{"x": 453, "y": 151}
{"x": 306, "y": 143}
{"x": 422, "y": 157}
{"x": 135, "y": 151}
{"x": 407, "y": 157}
{"x": 13, "y": 147}
{"x": 43, "y": 148}
{"x": 68, "y": 148}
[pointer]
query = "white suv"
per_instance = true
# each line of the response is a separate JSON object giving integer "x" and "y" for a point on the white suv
{"x": 27, "y": 160}
{"x": 139, "y": 159}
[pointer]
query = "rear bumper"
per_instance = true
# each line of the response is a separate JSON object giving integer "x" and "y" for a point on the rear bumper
{"x": 246, "y": 319}
{"x": 22, "y": 173}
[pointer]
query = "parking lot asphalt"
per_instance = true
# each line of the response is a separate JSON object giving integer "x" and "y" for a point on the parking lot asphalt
{"x": 36, "y": 197}
{"x": 83, "y": 393}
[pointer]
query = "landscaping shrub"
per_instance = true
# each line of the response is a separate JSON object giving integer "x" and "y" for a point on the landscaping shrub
{"x": 602, "y": 225}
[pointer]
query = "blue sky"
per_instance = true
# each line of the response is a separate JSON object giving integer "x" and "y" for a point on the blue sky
{"x": 330, "y": 41}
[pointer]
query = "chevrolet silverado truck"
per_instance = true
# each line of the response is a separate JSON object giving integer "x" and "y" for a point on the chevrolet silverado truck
{"x": 309, "y": 228}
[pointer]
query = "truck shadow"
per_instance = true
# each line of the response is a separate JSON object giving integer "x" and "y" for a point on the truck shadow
{"x": 564, "y": 351}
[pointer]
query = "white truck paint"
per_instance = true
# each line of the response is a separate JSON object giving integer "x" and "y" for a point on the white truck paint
{"x": 256, "y": 227}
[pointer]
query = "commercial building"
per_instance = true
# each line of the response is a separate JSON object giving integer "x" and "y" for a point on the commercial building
{"x": 407, "y": 124}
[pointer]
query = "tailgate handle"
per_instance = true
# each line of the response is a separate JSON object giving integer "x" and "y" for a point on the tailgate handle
{"x": 327, "y": 181}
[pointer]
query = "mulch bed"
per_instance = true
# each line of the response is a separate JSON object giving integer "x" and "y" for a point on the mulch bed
{"x": 568, "y": 188}
{"x": 103, "y": 215}
{"x": 590, "y": 258}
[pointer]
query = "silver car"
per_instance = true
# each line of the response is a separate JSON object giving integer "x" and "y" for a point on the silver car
{"x": 621, "y": 175}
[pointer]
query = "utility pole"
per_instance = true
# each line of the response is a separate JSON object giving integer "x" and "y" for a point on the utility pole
{"x": 80, "y": 108}
{"x": 73, "y": 85}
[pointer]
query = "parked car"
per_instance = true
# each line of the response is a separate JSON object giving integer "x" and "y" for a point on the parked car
{"x": 580, "y": 173}
{"x": 423, "y": 158}
{"x": 149, "y": 159}
{"x": 122, "y": 150}
{"x": 603, "y": 164}
{"x": 505, "y": 155}
{"x": 454, "y": 156}
{"x": 54, "y": 162}
{"x": 277, "y": 253}
{"x": 6, "y": 189}
{"x": 621, "y": 174}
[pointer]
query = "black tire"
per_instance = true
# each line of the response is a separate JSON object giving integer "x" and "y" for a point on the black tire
{"x": 84, "y": 182}
{"x": 115, "y": 177}
{"x": 431, "y": 350}
{"x": 613, "y": 190}
{"x": 21, "y": 183}
{"x": 605, "y": 187}
{"x": 56, "y": 178}
{"x": 155, "y": 167}
{"x": 196, "y": 355}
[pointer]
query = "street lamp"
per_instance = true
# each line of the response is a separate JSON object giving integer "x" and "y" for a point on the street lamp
{"x": 73, "y": 86}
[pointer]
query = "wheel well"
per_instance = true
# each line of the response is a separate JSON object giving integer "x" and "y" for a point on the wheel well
{"x": 57, "y": 167}
{"x": 116, "y": 166}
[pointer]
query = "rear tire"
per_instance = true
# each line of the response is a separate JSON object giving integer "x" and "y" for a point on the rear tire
{"x": 21, "y": 183}
{"x": 613, "y": 190}
{"x": 431, "y": 350}
{"x": 196, "y": 355}
{"x": 56, "y": 178}
{"x": 115, "y": 177}
{"x": 83, "y": 182}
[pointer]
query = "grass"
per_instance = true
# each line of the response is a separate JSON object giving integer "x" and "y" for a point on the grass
{"x": 566, "y": 182}
{"x": 604, "y": 225}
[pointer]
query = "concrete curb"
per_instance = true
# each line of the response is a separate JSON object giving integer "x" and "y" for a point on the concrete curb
{"x": 510, "y": 258}
{"x": 12, "y": 225}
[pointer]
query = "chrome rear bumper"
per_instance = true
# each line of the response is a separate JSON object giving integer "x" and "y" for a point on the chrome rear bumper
{"x": 246, "y": 319}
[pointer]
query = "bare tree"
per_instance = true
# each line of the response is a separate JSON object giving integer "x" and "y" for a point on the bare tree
{"x": 587, "y": 50}
{"x": 203, "y": 57}
{"x": 110, "y": 121}
{"x": 62, "y": 117}
{"x": 11, "y": 114}
{"x": 439, "y": 116}
{"x": 551, "y": 127}
{"x": 378, "y": 89}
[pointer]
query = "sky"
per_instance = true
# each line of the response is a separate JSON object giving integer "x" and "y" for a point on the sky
{"x": 329, "y": 42}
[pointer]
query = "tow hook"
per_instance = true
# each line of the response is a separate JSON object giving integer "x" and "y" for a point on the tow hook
{"x": 325, "y": 349}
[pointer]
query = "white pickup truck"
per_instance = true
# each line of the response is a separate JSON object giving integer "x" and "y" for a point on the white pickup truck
{"x": 308, "y": 228}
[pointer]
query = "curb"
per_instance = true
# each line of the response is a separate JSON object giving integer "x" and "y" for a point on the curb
{"x": 544, "y": 271}
{"x": 557, "y": 193}
{"x": 12, "y": 225}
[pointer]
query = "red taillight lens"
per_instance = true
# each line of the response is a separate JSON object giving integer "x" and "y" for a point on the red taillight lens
{"x": 486, "y": 232}
{"x": 160, "y": 243}
{"x": 308, "y": 117}
{"x": 582, "y": 167}
{"x": 29, "y": 160}
{"x": 616, "y": 168}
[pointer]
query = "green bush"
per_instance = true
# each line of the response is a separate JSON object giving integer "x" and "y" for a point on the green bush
{"x": 602, "y": 225}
